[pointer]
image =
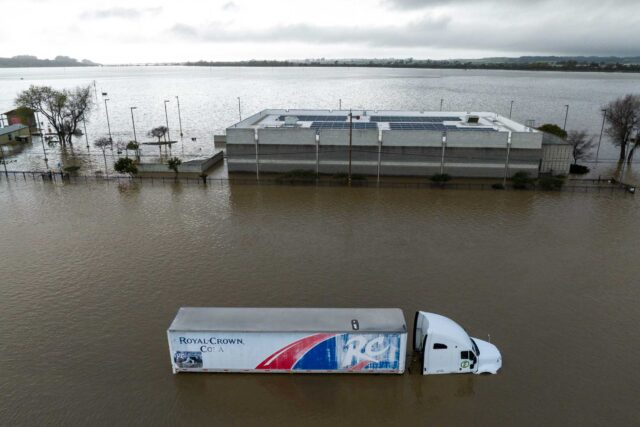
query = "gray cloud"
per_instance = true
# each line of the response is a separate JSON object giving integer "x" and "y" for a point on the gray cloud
{"x": 557, "y": 34}
{"x": 229, "y": 6}
{"x": 120, "y": 12}
{"x": 424, "y": 4}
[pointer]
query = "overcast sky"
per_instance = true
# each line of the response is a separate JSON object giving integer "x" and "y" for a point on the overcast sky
{"x": 117, "y": 31}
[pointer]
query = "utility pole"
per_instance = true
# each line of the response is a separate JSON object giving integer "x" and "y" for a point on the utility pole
{"x": 95, "y": 89}
{"x": 239, "y": 109}
{"x": 350, "y": 141}
{"x": 179, "y": 117}
{"x": 4, "y": 161}
{"x": 604, "y": 118}
{"x": 566, "y": 116}
{"x": 511, "y": 109}
{"x": 106, "y": 110}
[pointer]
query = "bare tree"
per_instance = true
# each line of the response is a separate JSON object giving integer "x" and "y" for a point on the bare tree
{"x": 63, "y": 109}
{"x": 582, "y": 144}
{"x": 102, "y": 143}
{"x": 623, "y": 117}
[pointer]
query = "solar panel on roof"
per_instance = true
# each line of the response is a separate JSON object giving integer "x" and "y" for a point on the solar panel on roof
{"x": 415, "y": 119}
{"x": 467, "y": 129}
{"x": 417, "y": 126}
{"x": 315, "y": 118}
{"x": 434, "y": 127}
{"x": 320, "y": 125}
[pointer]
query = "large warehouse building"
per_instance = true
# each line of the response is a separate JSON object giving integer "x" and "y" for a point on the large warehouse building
{"x": 389, "y": 143}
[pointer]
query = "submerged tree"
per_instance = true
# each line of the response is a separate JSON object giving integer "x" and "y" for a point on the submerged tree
{"x": 159, "y": 132}
{"x": 582, "y": 144}
{"x": 173, "y": 164}
{"x": 126, "y": 165}
{"x": 63, "y": 109}
{"x": 623, "y": 118}
{"x": 102, "y": 143}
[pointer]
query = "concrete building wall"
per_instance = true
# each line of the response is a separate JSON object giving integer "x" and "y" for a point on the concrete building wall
{"x": 556, "y": 159}
{"x": 531, "y": 140}
{"x": 240, "y": 136}
{"x": 477, "y": 139}
{"x": 360, "y": 137}
{"x": 411, "y": 138}
{"x": 402, "y": 153}
{"x": 193, "y": 166}
{"x": 286, "y": 136}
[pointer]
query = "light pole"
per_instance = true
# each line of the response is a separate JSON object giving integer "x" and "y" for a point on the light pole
{"x": 239, "y": 109}
{"x": 506, "y": 163}
{"x": 106, "y": 110}
{"x": 604, "y": 118}
{"x": 444, "y": 148}
{"x": 179, "y": 116}
{"x": 135, "y": 137}
{"x": 133, "y": 123}
{"x": 44, "y": 150}
{"x": 340, "y": 104}
{"x": 566, "y": 116}
{"x": 511, "y": 109}
{"x": 86, "y": 137}
{"x": 350, "y": 140}
{"x": 166, "y": 118}
{"x": 441, "y": 103}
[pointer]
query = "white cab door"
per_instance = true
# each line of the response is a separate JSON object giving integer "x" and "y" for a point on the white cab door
{"x": 438, "y": 357}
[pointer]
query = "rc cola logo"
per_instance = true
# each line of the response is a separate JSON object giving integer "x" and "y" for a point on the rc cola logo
{"x": 352, "y": 352}
{"x": 364, "y": 351}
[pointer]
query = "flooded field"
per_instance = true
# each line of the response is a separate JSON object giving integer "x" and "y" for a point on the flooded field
{"x": 92, "y": 275}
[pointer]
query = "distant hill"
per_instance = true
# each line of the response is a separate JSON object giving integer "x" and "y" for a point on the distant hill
{"x": 33, "y": 61}
{"x": 524, "y": 63}
{"x": 557, "y": 60}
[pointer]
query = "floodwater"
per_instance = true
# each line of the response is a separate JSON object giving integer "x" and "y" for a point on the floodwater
{"x": 92, "y": 275}
{"x": 209, "y": 101}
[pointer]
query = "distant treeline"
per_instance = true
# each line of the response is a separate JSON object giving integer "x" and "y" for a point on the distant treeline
{"x": 571, "y": 65}
{"x": 33, "y": 61}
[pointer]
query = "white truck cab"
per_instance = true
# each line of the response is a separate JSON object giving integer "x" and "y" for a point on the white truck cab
{"x": 447, "y": 349}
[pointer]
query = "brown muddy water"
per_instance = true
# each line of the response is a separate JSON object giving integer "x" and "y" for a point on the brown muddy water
{"x": 92, "y": 275}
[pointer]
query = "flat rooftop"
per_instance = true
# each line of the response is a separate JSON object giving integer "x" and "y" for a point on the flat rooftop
{"x": 381, "y": 120}
{"x": 12, "y": 128}
{"x": 244, "y": 319}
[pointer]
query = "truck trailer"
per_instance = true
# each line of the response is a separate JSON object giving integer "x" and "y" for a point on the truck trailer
{"x": 320, "y": 340}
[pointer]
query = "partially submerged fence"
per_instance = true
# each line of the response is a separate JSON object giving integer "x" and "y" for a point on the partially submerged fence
{"x": 570, "y": 185}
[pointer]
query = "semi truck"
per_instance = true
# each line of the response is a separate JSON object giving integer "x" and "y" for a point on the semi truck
{"x": 322, "y": 340}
